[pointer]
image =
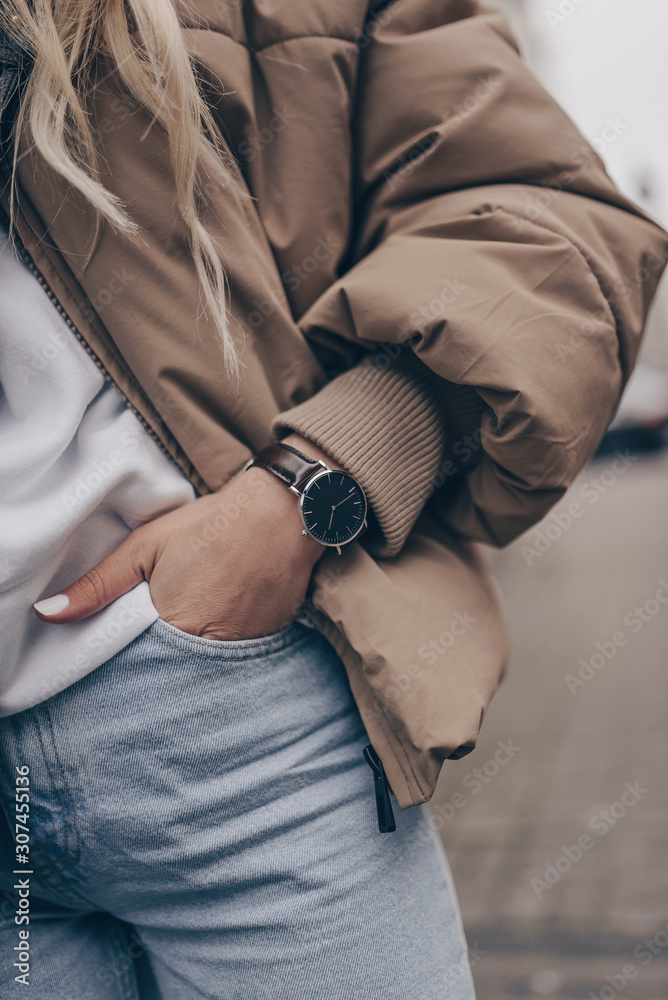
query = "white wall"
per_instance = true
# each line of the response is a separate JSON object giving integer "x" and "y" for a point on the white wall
{"x": 606, "y": 62}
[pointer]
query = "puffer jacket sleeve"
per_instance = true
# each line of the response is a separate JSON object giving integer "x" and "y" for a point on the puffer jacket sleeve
{"x": 384, "y": 420}
{"x": 493, "y": 248}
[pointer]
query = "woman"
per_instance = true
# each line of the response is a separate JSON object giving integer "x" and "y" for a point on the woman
{"x": 361, "y": 232}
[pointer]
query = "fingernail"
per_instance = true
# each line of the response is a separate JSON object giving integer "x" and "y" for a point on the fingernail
{"x": 52, "y": 605}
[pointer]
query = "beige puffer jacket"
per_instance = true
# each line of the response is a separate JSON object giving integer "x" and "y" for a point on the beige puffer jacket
{"x": 435, "y": 280}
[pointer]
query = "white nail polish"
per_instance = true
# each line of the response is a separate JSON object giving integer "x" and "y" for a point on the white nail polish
{"x": 52, "y": 605}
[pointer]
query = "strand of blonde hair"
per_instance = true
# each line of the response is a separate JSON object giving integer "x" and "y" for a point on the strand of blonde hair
{"x": 144, "y": 42}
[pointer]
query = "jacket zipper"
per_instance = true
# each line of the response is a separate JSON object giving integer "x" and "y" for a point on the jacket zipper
{"x": 30, "y": 263}
{"x": 386, "y": 823}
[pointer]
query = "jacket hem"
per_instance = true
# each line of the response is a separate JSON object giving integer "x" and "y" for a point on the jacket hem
{"x": 403, "y": 781}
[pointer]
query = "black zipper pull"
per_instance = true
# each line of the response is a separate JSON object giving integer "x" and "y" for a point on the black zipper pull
{"x": 386, "y": 822}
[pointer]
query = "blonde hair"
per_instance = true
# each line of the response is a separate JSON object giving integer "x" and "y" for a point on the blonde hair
{"x": 143, "y": 40}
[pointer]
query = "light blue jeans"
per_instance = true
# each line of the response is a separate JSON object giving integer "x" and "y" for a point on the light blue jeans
{"x": 203, "y": 824}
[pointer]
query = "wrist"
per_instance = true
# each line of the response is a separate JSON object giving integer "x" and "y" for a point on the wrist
{"x": 310, "y": 449}
{"x": 275, "y": 513}
{"x": 331, "y": 506}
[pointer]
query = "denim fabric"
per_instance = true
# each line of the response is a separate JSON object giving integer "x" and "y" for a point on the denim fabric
{"x": 203, "y": 824}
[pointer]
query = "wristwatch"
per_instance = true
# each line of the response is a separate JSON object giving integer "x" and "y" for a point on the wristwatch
{"x": 332, "y": 504}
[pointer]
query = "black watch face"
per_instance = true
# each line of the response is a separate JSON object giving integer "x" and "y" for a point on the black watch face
{"x": 333, "y": 507}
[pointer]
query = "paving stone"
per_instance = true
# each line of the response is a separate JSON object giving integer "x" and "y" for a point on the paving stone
{"x": 581, "y": 751}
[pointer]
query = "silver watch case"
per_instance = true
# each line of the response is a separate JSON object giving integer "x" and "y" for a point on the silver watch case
{"x": 302, "y": 496}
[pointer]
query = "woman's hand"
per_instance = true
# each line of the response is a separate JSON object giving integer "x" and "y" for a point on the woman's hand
{"x": 230, "y": 565}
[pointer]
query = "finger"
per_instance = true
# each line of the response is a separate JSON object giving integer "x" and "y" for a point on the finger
{"x": 113, "y": 577}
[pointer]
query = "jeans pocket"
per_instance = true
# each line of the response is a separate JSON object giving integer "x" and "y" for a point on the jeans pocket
{"x": 228, "y": 648}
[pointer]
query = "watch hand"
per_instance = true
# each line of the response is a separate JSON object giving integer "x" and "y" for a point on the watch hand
{"x": 330, "y": 517}
{"x": 342, "y": 501}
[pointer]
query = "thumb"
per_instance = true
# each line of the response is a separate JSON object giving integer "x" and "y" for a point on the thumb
{"x": 113, "y": 577}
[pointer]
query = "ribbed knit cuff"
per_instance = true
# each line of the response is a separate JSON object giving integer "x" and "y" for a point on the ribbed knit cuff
{"x": 387, "y": 427}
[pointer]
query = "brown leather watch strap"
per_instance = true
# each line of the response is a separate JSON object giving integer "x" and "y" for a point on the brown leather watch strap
{"x": 288, "y": 464}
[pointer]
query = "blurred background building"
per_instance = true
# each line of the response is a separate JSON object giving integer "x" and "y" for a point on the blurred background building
{"x": 557, "y": 826}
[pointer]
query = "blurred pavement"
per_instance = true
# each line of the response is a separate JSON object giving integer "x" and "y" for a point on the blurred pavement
{"x": 585, "y": 746}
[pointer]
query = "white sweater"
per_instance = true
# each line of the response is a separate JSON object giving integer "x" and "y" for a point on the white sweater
{"x": 77, "y": 473}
